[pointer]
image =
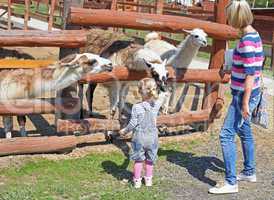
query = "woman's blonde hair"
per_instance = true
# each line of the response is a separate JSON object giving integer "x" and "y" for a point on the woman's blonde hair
{"x": 147, "y": 87}
{"x": 239, "y": 14}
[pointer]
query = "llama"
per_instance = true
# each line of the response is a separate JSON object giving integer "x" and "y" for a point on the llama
{"x": 139, "y": 59}
{"x": 33, "y": 83}
{"x": 122, "y": 51}
{"x": 180, "y": 57}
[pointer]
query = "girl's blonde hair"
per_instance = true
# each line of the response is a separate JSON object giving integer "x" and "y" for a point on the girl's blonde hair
{"x": 147, "y": 87}
{"x": 239, "y": 14}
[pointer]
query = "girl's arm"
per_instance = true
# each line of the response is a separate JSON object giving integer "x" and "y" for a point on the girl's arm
{"x": 161, "y": 99}
{"x": 132, "y": 123}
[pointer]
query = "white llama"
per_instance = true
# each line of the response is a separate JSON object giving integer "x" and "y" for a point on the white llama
{"x": 33, "y": 83}
{"x": 122, "y": 51}
{"x": 178, "y": 57}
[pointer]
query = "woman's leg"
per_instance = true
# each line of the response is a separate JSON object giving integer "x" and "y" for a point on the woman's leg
{"x": 227, "y": 139}
{"x": 247, "y": 141}
{"x": 246, "y": 136}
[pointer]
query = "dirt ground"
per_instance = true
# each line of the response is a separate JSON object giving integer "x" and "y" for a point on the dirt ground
{"x": 190, "y": 172}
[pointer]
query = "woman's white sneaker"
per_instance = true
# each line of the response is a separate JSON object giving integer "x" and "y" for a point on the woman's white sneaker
{"x": 148, "y": 181}
{"x": 242, "y": 177}
{"x": 224, "y": 189}
{"x": 137, "y": 182}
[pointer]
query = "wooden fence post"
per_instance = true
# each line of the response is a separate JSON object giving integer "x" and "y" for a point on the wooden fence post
{"x": 9, "y": 14}
{"x": 71, "y": 91}
{"x": 26, "y": 18}
{"x": 272, "y": 54}
{"x": 159, "y": 7}
{"x": 51, "y": 14}
{"x": 211, "y": 99}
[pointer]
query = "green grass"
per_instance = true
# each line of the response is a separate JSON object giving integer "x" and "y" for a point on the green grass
{"x": 96, "y": 176}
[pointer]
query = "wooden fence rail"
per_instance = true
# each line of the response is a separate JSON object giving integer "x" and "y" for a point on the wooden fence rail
{"x": 144, "y": 21}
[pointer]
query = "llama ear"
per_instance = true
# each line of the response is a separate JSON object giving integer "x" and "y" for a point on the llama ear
{"x": 165, "y": 62}
{"x": 68, "y": 60}
{"x": 148, "y": 64}
{"x": 187, "y": 31}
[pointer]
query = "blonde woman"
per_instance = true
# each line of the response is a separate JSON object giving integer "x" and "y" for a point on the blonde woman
{"x": 145, "y": 133}
{"x": 245, "y": 86}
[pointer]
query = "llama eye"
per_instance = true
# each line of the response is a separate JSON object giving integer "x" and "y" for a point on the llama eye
{"x": 196, "y": 36}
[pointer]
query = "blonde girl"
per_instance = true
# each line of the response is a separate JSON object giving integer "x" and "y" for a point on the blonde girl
{"x": 246, "y": 69}
{"x": 145, "y": 133}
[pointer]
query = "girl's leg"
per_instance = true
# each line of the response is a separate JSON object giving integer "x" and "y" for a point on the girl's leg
{"x": 149, "y": 173}
{"x": 137, "y": 170}
{"x": 149, "y": 168}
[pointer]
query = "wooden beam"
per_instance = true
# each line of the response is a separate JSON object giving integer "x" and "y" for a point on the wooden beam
{"x": 183, "y": 118}
{"x": 144, "y": 21}
{"x": 24, "y": 64}
{"x": 190, "y": 75}
{"x": 36, "y": 106}
{"x": 87, "y": 125}
{"x": 30, "y": 145}
{"x": 33, "y": 38}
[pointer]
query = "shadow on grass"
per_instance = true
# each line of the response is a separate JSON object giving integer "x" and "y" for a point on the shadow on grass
{"x": 120, "y": 172}
{"x": 195, "y": 165}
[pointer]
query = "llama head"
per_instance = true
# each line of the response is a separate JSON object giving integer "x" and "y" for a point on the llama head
{"x": 86, "y": 63}
{"x": 159, "y": 73}
{"x": 152, "y": 36}
{"x": 198, "y": 37}
{"x": 73, "y": 67}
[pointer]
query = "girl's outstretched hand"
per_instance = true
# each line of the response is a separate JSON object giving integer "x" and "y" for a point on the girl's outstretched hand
{"x": 122, "y": 133}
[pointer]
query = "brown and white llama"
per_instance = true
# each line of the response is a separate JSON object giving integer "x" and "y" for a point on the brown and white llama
{"x": 33, "y": 83}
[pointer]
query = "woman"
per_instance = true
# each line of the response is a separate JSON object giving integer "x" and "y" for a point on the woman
{"x": 245, "y": 86}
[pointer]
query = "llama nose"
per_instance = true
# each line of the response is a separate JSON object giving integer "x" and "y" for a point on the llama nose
{"x": 109, "y": 67}
{"x": 205, "y": 43}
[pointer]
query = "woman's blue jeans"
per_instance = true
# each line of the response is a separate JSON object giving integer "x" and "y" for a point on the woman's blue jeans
{"x": 234, "y": 123}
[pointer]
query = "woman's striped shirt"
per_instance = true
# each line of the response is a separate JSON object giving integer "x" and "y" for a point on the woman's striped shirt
{"x": 248, "y": 59}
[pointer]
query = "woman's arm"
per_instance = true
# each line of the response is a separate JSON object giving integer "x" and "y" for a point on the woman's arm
{"x": 249, "y": 81}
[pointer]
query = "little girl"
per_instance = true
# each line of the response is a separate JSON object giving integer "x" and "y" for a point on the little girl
{"x": 145, "y": 133}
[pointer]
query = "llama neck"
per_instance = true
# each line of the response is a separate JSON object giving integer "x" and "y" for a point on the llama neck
{"x": 44, "y": 84}
{"x": 186, "y": 51}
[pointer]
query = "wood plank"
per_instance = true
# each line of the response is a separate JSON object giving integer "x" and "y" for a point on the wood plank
{"x": 29, "y": 145}
{"x": 89, "y": 125}
{"x": 36, "y": 106}
{"x": 144, "y": 21}
{"x": 24, "y": 64}
{"x": 35, "y": 38}
{"x": 190, "y": 75}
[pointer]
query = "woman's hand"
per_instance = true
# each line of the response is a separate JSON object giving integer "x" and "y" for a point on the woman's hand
{"x": 245, "y": 111}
